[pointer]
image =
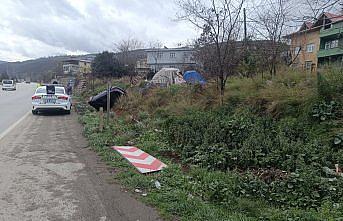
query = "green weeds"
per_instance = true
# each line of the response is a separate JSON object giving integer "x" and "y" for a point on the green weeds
{"x": 261, "y": 156}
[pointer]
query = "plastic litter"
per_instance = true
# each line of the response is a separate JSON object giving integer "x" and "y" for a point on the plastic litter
{"x": 138, "y": 190}
{"x": 157, "y": 184}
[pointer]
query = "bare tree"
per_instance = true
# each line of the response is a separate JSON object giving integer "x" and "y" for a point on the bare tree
{"x": 129, "y": 44}
{"x": 270, "y": 23}
{"x": 154, "y": 44}
{"x": 313, "y": 8}
{"x": 219, "y": 21}
{"x": 127, "y": 56}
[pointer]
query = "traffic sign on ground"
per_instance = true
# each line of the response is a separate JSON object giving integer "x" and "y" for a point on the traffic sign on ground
{"x": 143, "y": 162}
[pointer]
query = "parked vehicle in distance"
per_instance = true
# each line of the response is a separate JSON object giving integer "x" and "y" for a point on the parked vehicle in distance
{"x": 51, "y": 98}
{"x": 9, "y": 85}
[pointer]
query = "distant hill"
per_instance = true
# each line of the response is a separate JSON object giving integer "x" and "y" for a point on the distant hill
{"x": 46, "y": 68}
{"x": 37, "y": 69}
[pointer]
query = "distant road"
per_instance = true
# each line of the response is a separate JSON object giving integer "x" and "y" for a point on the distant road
{"x": 15, "y": 104}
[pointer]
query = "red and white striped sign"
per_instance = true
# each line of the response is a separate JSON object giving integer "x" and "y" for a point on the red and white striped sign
{"x": 143, "y": 162}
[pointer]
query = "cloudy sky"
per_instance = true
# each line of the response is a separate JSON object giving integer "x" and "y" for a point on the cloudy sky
{"x": 36, "y": 28}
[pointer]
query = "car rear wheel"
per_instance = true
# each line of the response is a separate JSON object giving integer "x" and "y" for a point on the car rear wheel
{"x": 67, "y": 111}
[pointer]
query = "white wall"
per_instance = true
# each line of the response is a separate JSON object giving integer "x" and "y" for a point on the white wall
{"x": 166, "y": 58}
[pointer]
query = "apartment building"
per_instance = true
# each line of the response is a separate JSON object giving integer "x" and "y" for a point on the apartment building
{"x": 317, "y": 42}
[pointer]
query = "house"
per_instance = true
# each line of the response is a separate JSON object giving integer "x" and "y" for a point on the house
{"x": 304, "y": 46}
{"x": 180, "y": 58}
{"x": 307, "y": 45}
{"x": 71, "y": 67}
{"x": 85, "y": 66}
{"x": 331, "y": 39}
{"x": 75, "y": 66}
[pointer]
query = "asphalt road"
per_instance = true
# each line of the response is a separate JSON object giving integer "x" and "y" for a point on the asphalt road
{"x": 47, "y": 172}
{"x": 15, "y": 104}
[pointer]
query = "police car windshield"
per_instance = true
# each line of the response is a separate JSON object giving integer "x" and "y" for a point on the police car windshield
{"x": 58, "y": 90}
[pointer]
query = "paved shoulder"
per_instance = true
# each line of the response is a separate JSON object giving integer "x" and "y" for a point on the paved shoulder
{"x": 46, "y": 173}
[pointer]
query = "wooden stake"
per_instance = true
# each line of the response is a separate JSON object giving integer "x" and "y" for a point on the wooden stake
{"x": 101, "y": 119}
{"x": 108, "y": 102}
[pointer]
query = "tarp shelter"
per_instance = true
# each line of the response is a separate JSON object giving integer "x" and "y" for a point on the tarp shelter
{"x": 100, "y": 100}
{"x": 168, "y": 76}
{"x": 194, "y": 77}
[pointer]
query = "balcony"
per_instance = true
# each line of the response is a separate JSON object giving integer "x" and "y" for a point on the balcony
{"x": 329, "y": 52}
{"x": 331, "y": 31}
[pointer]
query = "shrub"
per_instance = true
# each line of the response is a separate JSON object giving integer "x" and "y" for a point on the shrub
{"x": 324, "y": 110}
{"x": 329, "y": 84}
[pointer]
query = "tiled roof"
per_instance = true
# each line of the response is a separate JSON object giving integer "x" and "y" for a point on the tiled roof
{"x": 309, "y": 26}
{"x": 333, "y": 17}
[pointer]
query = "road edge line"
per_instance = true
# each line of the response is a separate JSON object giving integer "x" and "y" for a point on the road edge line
{"x": 8, "y": 130}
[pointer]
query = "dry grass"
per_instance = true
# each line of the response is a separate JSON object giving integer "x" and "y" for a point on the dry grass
{"x": 290, "y": 92}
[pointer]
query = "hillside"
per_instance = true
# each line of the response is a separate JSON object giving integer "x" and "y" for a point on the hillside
{"x": 268, "y": 153}
{"x": 37, "y": 68}
{"x": 43, "y": 68}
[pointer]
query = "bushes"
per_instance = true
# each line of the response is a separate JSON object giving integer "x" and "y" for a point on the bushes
{"x": 242, "y": 141}
{"x": 261, "y": 155}
{"x": 217, "y": 141}
{"x": 329, "y": 84}
{"x": 324, "y": 111}
{"x": 206, "y": 138}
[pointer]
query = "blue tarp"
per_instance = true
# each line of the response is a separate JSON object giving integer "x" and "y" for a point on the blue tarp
{"x": 194, "y": 77}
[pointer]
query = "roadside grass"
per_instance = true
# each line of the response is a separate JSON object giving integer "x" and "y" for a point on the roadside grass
{"x": 191, "y": 191}
{"x": 185, "y": 194}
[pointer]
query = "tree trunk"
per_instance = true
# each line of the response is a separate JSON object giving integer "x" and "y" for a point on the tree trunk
{"x": 222, "y": 87}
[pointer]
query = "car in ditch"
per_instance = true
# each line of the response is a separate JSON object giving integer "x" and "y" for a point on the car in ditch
{"x": 51, "y": 98}
{"x": 9, "y": 85}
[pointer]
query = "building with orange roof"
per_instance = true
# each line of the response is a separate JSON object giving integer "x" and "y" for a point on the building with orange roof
{"x": 317, "y": 43}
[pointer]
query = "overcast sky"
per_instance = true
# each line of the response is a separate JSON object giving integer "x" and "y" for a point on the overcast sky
{"x": 37, "y": 28}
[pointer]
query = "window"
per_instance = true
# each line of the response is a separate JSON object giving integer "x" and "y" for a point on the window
{"x": 327, "y": 45}
{"x": 297, "y": 50}
{"x": 308, "y": 65}
{"x": 331, "y": 44}
{"x": 160, "y": 55}
{"x": 310, "y": 48}
{"x": 42, "y": 90}
{"x": 334, "y": 44}
{"x": 327, "y": 25}
{"x": 172, "y": 55}
{"x": 7, "y": 82}
{"x": 59, "y": 90}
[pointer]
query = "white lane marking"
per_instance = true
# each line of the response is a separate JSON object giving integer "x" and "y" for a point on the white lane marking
{"x": 8, "y": 130}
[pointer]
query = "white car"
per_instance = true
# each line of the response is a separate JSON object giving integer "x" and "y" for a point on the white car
{"x": 51, "y": 98}
{"x": 9, "y": 85}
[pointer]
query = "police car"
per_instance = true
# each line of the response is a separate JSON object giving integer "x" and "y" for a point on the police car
{"x": 51, "y": 98}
